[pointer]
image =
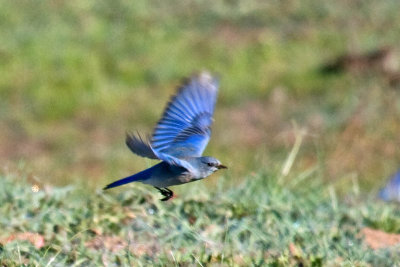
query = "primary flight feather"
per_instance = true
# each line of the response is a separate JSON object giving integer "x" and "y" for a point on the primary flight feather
{"x": 179, "y": 138}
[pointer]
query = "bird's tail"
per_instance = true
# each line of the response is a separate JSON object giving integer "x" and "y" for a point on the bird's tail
{"x": 143, "y": 175}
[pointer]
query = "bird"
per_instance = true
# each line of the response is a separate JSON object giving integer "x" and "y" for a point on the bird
{"x": 391, "y": 191}
{"x": 179, "y": 138}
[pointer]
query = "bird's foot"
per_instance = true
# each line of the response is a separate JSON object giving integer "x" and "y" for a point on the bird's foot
{"x": 167, "y": 193}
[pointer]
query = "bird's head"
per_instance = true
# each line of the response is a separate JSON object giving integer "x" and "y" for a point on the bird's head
{"x": 211, "y": 165}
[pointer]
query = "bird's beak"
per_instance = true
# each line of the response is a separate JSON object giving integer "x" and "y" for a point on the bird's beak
{"x": 222, "y": 167}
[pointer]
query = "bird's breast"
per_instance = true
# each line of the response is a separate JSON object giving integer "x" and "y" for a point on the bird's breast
{"x": 185, "y": 178}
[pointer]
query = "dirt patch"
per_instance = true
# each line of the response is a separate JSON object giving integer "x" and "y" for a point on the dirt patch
{"x": 377, "y": 239}
{"x": 34, "y": 238}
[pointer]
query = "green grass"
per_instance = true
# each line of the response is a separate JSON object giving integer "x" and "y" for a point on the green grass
{"x": 75, "y": 75}
{"x": 251, "y": 224}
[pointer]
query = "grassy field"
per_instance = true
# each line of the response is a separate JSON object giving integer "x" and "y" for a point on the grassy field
{"x": 75, "y": 75}
{"x": 265, "y": 220}
{"x": 318, "y": 80}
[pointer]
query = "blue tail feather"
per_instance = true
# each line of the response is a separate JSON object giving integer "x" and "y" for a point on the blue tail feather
{"x": 140, "y": 176}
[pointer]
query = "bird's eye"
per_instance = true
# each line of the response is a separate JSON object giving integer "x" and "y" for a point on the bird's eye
{"x": 210, "y": 164}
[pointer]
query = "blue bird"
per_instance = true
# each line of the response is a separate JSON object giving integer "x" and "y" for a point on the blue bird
{"x": 391, "y": 191}
{"x": 179, "y": 139}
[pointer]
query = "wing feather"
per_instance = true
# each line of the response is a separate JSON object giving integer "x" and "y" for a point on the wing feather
{"x": 185, "y": 126}
{"x": 139, "y": 146}
{"x": 142, "y": 147}
{"x": 190, "y": 113}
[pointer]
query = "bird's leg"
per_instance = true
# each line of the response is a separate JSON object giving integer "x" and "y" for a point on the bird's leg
{"x": 167, "y": 193}
{"x": 170, "y": 193}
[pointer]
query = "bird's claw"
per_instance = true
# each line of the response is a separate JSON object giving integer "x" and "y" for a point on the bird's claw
{"x": 165, "y": 198}
{"x": 167, "y": 193}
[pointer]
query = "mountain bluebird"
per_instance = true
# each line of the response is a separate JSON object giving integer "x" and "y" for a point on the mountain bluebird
{"x": 179, "y": 139}
{"x": 391, "y": 192}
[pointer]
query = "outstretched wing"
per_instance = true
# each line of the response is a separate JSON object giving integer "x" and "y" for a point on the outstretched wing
{"x": 140, "y": 146}
{"x": 185, "y": 127}
{"x": 143, "y": 148}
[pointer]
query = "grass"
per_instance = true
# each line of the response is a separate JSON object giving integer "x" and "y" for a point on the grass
{"x": 74, "y": 76}
{"x": 265, "y": 220}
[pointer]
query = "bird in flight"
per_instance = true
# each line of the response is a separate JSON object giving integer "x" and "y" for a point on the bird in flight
{"x": 179, "y": 139}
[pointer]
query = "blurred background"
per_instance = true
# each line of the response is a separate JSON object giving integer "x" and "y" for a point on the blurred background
{"x": 76, "y": 75}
